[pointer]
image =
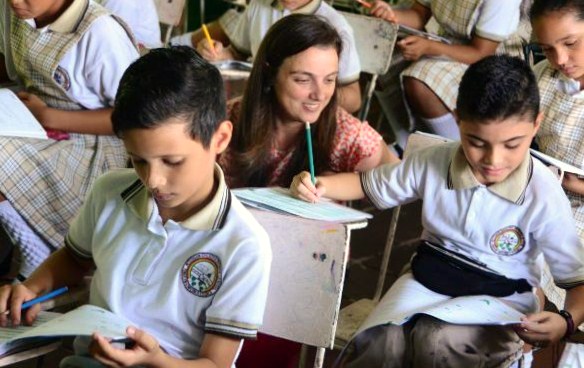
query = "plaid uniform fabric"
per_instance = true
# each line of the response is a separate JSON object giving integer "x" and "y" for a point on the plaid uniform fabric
{"x": 457, "y": 20}
{"x": 45, "y": 180}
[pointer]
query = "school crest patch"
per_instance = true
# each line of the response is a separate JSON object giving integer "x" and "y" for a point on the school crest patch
{"x": 62, "y": 78}
{"x": 201, "y": 274}
{"x": 508, "y": 241}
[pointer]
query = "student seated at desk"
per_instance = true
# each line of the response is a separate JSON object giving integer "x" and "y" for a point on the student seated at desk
{"x": 477, "y": 28}
{"x": 69, "y": 57}
{"x": 141, "y": 17}
{"x": 173, "y": 251}
{"x": 484, "y": 199}
{"x": 254, "y": 23}
{"x": 293, "y": 81}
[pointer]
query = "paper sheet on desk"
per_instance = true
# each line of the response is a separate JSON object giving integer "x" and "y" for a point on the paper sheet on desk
{"x": 15, "y": 118}
{"x": 407, "y": 298}
{"x": 279, "y": 200}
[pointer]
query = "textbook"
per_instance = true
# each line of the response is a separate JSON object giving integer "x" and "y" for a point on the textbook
{"x": 408, "y": 298}
{"x": 48, "y": 326}
{"x": 280, "y": 200}
{"x": 16, "y": 120}
{"x": 404, "y": 31}
{"x": 560, "y": 165}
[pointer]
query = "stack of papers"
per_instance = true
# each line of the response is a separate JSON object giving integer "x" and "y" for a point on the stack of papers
{"x": 280, "y": 200}
{"x": 15, "y": 118}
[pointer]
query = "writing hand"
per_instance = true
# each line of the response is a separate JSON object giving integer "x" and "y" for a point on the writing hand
{"x": 145, "y": 351}
{"x": 302, "y": 187}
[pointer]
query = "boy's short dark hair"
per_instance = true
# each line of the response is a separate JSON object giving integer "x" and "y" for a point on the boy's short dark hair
{"x": 541, "y": 7}
{"x": 166, "y": 83}
{"x": 496, "y": 88}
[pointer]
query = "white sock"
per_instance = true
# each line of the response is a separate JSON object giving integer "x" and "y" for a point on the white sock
{"x": 33, "y": 250}
{"x": 182, "y": 40}
{"x": 444, "y": 125}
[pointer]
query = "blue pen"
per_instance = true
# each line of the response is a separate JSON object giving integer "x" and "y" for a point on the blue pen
{"x": 310, "y": 157}
{"x": 42, "y": 298}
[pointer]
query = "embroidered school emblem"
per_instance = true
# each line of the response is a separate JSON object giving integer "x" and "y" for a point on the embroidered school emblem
{"x": 508, "y": 241}
{"x": 201, "y": 274}
{"x": 62, "y": 78}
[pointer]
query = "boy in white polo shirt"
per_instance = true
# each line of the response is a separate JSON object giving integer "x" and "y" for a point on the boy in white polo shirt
{"x": 174, "y": 252}
{"x": 485, "y": 200}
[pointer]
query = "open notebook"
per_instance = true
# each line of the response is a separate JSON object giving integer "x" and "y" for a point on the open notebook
{"x": 15, "y": 118}
{"x": 48, "y": 326}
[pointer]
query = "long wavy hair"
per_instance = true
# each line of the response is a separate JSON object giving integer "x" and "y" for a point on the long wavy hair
{"x": 255, "y": 131}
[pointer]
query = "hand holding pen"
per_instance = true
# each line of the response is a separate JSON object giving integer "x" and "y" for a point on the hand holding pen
{"x": 16, "y": 294}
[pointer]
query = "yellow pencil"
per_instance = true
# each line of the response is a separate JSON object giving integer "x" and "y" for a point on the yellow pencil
{"x": 208, "y": 37}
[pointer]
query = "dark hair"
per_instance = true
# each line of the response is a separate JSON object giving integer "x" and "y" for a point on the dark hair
{"x": 496, "y": 88}
{"x": 254, "y": 132}
{"x": 169, "y": 83}
{"x": 542, "y": 7}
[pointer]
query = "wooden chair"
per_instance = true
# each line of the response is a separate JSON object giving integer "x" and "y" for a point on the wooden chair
{"x": 306, "y": 280}
{"x": 375, "y": 39}
{"x": 169, "y": 15}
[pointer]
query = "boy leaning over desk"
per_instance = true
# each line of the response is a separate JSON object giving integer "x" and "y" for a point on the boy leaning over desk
{"x": 490, "y": 210}
{"x": 174, "y": 252}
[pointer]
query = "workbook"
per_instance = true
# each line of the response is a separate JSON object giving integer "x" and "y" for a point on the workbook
{"x": 16, "y": 120}
{"x": 404, "y": 31}
{"x": 48, "y": 326}
{"x": 560, "y": 165}
{"x": 280, "y": 200}
{"x": 408, "y": 298}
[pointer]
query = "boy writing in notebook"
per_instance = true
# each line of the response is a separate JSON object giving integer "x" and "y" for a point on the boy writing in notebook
{"x": 173, "y": 251}
{"x": 486, "y": 201}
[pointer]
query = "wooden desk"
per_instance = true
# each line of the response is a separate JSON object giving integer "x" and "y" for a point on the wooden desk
{"x": 37, "y": 352}
{"x": 306, "y": 282}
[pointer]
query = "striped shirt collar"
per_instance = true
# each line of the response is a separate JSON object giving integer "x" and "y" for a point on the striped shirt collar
{"x": 211, "y": 217}
{"x": 513, "y": 188}
{"x": 309, "y": 8}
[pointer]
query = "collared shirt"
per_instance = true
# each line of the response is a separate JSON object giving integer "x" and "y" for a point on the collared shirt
{"x": 259, "y": 16}
{"x": 506, "y": 226}
{"x": 91, "y": 70}
{"x": 177, "y": 280}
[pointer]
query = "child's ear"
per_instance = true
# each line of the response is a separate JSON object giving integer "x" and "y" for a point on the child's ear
{"x": 222, "y": 136}
{"x": 537, "y": 123}
{"x": 455, "y": 116}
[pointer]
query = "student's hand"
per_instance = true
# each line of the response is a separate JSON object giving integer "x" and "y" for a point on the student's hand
{"x": 36, "y": 106}
{"x": 145, "y": 351}
{"x": 11, "y": 298}
{"x": 219, "y": 52}
{"x": 541, "y": 329}
{"x": 573, "y": 183}
{"x": 303, "y": 188}
{"x": 381, "y": 9}
{"x": 414, "y": 47}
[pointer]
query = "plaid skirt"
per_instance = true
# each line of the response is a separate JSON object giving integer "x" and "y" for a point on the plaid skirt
{"x": 46, "y": 180}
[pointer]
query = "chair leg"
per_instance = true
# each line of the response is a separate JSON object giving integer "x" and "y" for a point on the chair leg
{"x": 319, "y": 358}
{"x": 386, "y": 253}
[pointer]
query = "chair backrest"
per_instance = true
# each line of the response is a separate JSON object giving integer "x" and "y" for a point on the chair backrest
{"x": 375, "y": 39}
{"x": 306, "y": 281}
{"x": 169, "y": 15}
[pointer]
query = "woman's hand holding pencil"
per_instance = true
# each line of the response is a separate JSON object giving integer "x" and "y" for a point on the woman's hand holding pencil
{"x": 303, "y": 187}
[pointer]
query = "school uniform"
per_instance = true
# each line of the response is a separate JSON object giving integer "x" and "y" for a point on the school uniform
{"x": 459, "y": 21}
{"x": 75, "y": 63}
{"x": 505, "y": 226}
{"x": 141, "y": 17}
{"x": 177, "y": 280}
{"x": 259, "y": 16}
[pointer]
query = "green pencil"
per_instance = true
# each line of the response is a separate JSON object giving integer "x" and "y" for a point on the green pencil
{"x": 310, "y": 156}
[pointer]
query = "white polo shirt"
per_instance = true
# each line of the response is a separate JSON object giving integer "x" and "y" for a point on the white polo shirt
{"x": 506, "y": 225}
{"x": 259, "y": 16}
{"x": 94, "y": 66}
{"x": 178, "y": 281}
{"x": 141, "y": 16}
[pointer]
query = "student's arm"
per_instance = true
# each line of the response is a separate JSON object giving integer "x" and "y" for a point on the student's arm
{"x": 572, "y": 183}
{"x": 414, "y": 47}
{"x": 61, "y": 269}
{"x": 74, "y": 121}
{"x": 382, "y": 156}
{"x": 340, "y": 187}
{"x": 546, "y": 328}
{"x": 416, "y": 17}
{"x": 216, "y": 352}
{"x": 350, "y": 96}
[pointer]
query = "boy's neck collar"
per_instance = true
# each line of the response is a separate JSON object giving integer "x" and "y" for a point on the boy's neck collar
{"x": 71, "y": 17}
{"x": 513, "y": 188}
